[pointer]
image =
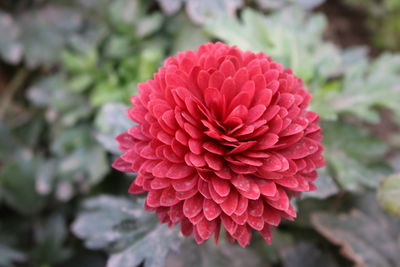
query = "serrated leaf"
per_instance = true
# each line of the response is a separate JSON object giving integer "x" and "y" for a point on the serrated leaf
{"x": 111, "y": 121}
{"x": 326, "y": 187}
{"x": 44, "y": 33}
{"x": 288, "y": 36}
{"x": 88, "y": 162}
{"x": 389, "y": 194}
{"x": 274, "y": 4}
{"x": 149, "y": 24}
{"x": 368, "y": 239}
{"x": 124, "y": 13}
{"x": 111, "y": 223}
{"x": 122, "y": 227}
{"x": 152, "y": 249}
{"x": 199, "y": 11}
{"x": 182, "y": 30}
{"x": 353, "y": 155}
{"x": 370, "y": 85}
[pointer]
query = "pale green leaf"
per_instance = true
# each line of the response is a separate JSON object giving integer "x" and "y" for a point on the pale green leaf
{"x": 370, "y": 85}
{"x": 152, "y": 249}
{"x": 10, "y": 46}
{"x": 10, "y": 255}
{"x": 389, "y": 194}
{"x": 353, "y": 156}
{"x": 111, "y": 223}
{"x": 288, "y": 36}
{"x": 326, "y": 186}
{"x": 111, "y": 121}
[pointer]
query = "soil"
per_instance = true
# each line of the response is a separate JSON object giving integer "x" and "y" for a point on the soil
{"x": 347, "y": 25}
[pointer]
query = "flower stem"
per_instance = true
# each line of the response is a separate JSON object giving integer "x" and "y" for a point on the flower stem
{"x": 17, "y": 81}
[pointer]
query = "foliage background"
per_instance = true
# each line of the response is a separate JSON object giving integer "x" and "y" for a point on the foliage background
{"x": 67, "y": 69}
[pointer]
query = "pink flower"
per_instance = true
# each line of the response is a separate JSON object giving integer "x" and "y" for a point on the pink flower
{"x": 223, "y": 139}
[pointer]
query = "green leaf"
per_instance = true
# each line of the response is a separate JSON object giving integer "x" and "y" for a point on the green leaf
{"x": 111, "y": 223}
{"x": 110, "y": 122}
{"x": 17, "y": 185}
{"x": 152, "y": 249}
{"x": 44, "y": 33}
{"x": 354, "y": 157}
{"x": 149, "y": 25}
{"x": 50, "y": 236}
{"x": 209, "y": 254}
{"x": 181, "y": 30}
{"x": 307, "y": 254}
{"x": 118, "y": 47}
{"x": 80, "y": 62}
{"x": 320, "y": 102}
{"x": 43, "y": 92}
{"x": 64, "y": 107}
{"x": 368, "y": 238}
{"x": 288, "y": 36}
{"x": 9, "y": 255}
{"x": 326, "y": 187}
{"x": 122, "y": 227}
{"x": 149, "y": 61}
{"x": 8, "y": 143}
{"x": 368, "y": 85}
{"x": 275, "y": 4}
{"x": 389, "y": 194}
{"x": 199, "y": 11}
{"x": 80, "y": 83}
{"x": 10, "y": 47}
{"x": 124, "y": 13}
{"x": 89, "y": 162}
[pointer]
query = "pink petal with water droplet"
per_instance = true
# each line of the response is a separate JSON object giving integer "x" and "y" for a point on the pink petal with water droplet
{"x": 193, "y": 206}
{"x": 230, "y": 204}
{"x": 222, "y": 187}
{"x": 211, "y": 209}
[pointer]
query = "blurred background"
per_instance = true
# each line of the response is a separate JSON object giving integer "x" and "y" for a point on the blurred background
{"x": 67, "y": 69}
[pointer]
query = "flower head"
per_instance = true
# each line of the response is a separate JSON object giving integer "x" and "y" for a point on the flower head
{"x": 223, "y": 139}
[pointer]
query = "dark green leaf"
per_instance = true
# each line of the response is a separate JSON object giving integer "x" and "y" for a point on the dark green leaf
{"x": 209, "y": 254}
{"x": 306, "y": 254}
{"x": 17, "y": 185}
{"x": 368, "y": 238}
{"x": 50, "y": 236}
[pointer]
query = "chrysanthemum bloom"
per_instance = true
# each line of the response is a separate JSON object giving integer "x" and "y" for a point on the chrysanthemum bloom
{"x": 223, "y": 138}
